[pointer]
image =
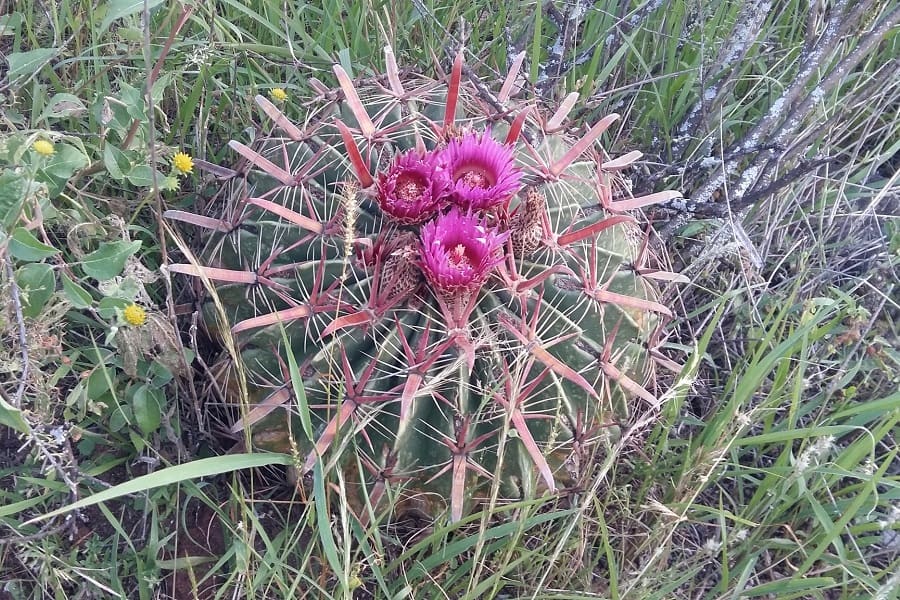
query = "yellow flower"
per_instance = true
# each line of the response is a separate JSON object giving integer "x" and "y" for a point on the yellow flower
{"x": 183, "y": 163}
{"x": 135, "y": 315}
{"x": 278, "y": 94}
{"x": 43, "y": 147}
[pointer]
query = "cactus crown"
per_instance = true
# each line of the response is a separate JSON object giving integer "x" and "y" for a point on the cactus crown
{"x": 452, "y": 271}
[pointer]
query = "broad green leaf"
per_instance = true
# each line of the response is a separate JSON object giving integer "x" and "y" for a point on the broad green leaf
{"x": 159, "y": 87}
{"x": 110, "y": 113}
{"x": 107, "y": 307}
{"x": 38, "y": 283}
{"x": 56, "y": 170}
{"x": 75, "y": 294}
{"x": 14, "y": 148}
{"x": 64, "y": 162}
{"x": 97, "y": 384}
{"x": 161, "y": 374}
{"x": 63, "y": 105}
{"x": 115, "y": 161}
{"x": 116, "y": 9}
{"x": 147, "y": 407}
{"x": 133, "y": 99}
{"x": 11, "y": 417}
{"x": 137, "y": 441}
{"x": 86, "y": 446}
{"x": 205, "y": 467}
{"x": 24, "y": 246}
{"x": 9, "y": 24}
{"x": 142, "y": 176}
{"x": 12, "y": 197}
{"x": 109, "y": 259}
{"x": 120, "y": 417}
{"x": 126, "y": 288}
{"x": 28, "y": 63}
{"x": 133, "y": 35}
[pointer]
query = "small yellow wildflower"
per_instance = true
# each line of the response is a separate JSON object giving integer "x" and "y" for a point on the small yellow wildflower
{"x": 135, "y": 315}
{"x": 183, "y": 163}
{"x": 278, "y": 94}
{"x": 43, "y": 147}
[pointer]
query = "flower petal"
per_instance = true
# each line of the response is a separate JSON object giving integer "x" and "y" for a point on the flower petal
{"x": 482, "y": 171}
{"x": 459, "y": 251}
{"x": 414, "y": 188}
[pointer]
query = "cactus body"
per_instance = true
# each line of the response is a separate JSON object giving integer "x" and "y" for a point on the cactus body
{"x": 457, "y": 323}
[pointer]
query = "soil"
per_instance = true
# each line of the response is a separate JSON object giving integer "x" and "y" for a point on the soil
{"x": 203, "y": 539}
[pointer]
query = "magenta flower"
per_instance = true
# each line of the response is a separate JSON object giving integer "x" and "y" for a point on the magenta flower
{"x": 414, "y": 187}
{"x": 482, "y": 171}
{"x": 459, "y": 251}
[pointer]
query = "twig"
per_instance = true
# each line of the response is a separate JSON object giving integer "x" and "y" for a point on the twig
{"x": 185, "y": 15}
{"x": 718, "y": 210}
{"x": 803, "y": 168}
{"x": 211, "y": 378}
{"x": 16, "y": 401}
{"x": 816, "y": 10}
{"x": 625, "y": 24}
{"x": 743, "y": 36}
{"x": 157, "y": 196}
{"x": 566, "y": 26}
{"x": 865, "y": 45}
{"x": 760, "y": 133}
{"x": 648, "y": 184}
{"x": 43, "y": 533}
{"x": 881, "y": 80}
{"x": 787, "y": 129}
{"x": 23, "y": 338}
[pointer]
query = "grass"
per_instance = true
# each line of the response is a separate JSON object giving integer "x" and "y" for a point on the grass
{"x": 771, "y": 469}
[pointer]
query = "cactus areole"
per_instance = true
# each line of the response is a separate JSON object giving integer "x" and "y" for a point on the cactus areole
{"x": 456, "y": 279}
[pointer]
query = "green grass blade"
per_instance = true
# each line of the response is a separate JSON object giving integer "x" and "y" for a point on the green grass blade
{"x": 205, "y": 467}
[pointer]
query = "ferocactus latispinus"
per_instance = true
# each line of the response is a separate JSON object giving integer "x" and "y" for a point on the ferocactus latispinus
{"x": 459, "y": 280}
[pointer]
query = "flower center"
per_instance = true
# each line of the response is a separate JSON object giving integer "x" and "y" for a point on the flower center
{"x": 458, "y": 258}
{"x": 410, "y": 187}
{"x": 475, "y": 176}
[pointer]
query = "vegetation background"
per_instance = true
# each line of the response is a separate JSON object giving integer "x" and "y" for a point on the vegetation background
{"x": 771, "y": 469}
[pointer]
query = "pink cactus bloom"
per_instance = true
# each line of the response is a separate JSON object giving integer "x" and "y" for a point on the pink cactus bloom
{"x": 482, "y": 171}
{"x": 459, "y": 251}
{"x": 414, "y": 188}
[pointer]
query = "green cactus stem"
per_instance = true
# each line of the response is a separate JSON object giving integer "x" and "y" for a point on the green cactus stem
{"x": 455, "y": 275}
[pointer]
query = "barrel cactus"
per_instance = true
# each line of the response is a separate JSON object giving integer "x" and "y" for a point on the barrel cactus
{"x": 451, "y": 272}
